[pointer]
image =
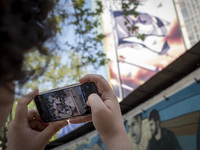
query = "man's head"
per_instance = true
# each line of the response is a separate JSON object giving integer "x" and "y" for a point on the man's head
{"x": 135, "y": 128}
{"x": 154, "y": 121}
{"x": 24, "y": 25}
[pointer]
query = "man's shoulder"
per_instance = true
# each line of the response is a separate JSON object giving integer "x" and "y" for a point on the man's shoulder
{"x": 167, "y": 132}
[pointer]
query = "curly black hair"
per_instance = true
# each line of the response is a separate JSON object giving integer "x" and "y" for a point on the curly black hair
{"x": 24, "y": 25}
{"x": 154, "y": 114}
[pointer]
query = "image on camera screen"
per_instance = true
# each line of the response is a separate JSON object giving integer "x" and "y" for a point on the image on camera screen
{"x": 62, "y": 104}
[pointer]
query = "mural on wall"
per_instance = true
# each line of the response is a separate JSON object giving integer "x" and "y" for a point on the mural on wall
{"x": 91, "y": 143}
{"x": 134, "y": 61}
{"x": 171, "y": 124}
{"x": 156, "y": 137}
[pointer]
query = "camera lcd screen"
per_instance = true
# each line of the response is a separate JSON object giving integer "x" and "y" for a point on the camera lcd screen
{"x": 65, "y": 102}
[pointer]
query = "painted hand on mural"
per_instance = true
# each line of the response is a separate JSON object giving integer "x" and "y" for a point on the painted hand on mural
{"x": 106, "y": 114}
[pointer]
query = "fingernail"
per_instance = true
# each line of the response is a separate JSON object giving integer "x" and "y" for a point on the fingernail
{"x": 33, "y": 91}
{"x": 87, "y": 103}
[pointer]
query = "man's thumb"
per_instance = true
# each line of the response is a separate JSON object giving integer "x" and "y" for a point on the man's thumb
{"x": 96, "y": 103}
{"x": 52, "y": 128}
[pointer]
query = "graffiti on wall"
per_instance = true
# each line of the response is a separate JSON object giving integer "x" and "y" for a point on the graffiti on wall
{"x": 172, "y": 124}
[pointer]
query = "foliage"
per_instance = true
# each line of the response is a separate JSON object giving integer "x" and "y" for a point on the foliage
{"x": 129, "y": 8}
{"x": 58, "y": 70}
{"x": 3, "y": 135}
{"x": 89, "y": 40}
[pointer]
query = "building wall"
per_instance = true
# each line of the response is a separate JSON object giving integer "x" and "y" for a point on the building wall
{"x": 189, "y": 16}
{"x": 179, "y": 111}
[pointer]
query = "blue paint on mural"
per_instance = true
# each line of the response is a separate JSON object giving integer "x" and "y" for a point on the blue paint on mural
{"x": 182, "y": 102}
{"x": 187, "y": 142}
{"x": 68, "y": 129}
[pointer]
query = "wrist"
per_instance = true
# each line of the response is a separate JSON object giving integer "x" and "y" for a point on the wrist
{"x": 117, "y": 141}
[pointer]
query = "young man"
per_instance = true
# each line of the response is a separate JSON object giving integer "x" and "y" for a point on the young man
{"x": 162, "y": 138}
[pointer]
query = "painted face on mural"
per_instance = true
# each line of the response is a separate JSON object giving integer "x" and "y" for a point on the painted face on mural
{"x": 136, "y": 129}
{"x": 153, "y": 127}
